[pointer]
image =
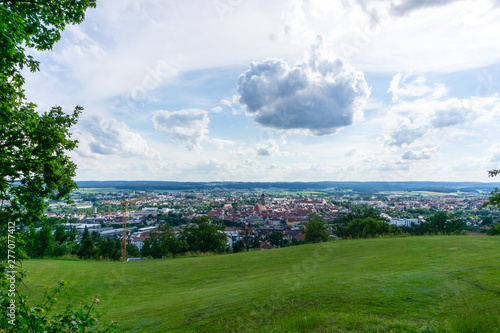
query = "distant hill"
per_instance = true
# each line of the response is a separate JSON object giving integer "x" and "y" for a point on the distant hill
{"x": 370, "y": 187}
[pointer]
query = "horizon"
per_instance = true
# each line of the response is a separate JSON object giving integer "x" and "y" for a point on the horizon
{"x": 291, "y": 181}
{"x": 372, "y": 91}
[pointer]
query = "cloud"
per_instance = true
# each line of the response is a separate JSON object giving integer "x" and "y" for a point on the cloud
{"x": 404, "y": 134}
{"x": 415, "y": 88}
{"x": 408, "y": 6}
{"x": 401, "y": 7}
{"x": 351, "y": 152}
{"x": 424, "y": 154}
{"x": 216, "y": 109}
{"x": 495, "y": 155}
{"x": 221, "y": 144}
{"x": 317, "y": 97}
{"x": 267, "y": 149}
{"x": 421, "y": 110}
{"x": 452, "y": 112}
{"x": 187, "y": 127}
{"x": 99, "y": 136}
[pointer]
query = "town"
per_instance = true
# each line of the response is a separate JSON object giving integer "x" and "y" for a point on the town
{"x": 266, "y": 211}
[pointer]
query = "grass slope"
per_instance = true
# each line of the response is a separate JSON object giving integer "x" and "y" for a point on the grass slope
{"x": 414, "y": 284}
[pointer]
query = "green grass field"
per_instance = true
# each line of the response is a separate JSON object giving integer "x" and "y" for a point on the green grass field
{"x": 412, "y": 284}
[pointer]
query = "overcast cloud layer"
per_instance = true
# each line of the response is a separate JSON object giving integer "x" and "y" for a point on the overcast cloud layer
{"x": 285, "y": 90}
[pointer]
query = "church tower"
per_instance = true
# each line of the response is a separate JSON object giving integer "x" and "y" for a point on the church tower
{"x": 263, "y": 199}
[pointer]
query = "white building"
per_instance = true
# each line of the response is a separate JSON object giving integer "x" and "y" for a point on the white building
{"x": 403, "y": 222}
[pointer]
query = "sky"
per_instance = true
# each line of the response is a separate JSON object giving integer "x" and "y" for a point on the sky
{"x": 296, "y": 90}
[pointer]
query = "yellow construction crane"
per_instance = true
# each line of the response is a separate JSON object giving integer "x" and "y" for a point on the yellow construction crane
{"x": 124, "y": 224}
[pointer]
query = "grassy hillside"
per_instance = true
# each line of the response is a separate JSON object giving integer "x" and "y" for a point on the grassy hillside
{"x": 417, "y": 284}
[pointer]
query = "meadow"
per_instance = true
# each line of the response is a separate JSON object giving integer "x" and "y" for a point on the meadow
{"x": 409, "y": 284}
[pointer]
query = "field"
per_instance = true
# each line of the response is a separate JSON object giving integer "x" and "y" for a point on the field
{"x": 412, "y": 284}
{"x": 437, "y": 194}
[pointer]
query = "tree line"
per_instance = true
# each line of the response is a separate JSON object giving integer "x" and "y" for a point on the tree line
{"x": 203, "y": 235}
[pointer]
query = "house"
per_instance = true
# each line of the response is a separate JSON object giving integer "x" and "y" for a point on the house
{"x": 265, "y": 246}
{"x": 139, "y": 242}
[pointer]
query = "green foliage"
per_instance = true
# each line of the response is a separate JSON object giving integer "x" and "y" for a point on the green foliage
{"x": 43, "y": 316}
{"x": 172, "y": 219}
{"x": 487, "y": 220}
{"x": 249, "y": 238}
{"x": 440, "y": 223}
{"x": 315, "y": 229}
{"x": 46, "y": 242}
{"x": 368, "y": 227}
{"x": 494, "y": 199}
{"x": 495, "y": 230}
{"x": 363, "y": 222}
{"x": 163, "y": 243}
{"x": 33, "y": 24}
{"x": 169, "y": 242}
{"x": 493, "y": 173}
{"x": 33, "y": 146}
{"x": 151, "y": 247}
{"x": 364, "y": 212}
{"x": 276, "y": 238}
{"x": 202, "y": 235}
{"x": 132, "y": 251}
{"x": 41, "y": 243}
{"x": 86, "y": 247}
{"x": 238, "y": 246}
{"x": 33, "y": 161}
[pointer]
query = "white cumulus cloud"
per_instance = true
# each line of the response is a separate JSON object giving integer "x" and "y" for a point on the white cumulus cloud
{"x": 99, "y": 136}
{"x": 267, "y": 148}
{"x": 317, "y": 96}
{"x": 423, "y": 154}
{"x": 421, "y": 110}
{"x": 187, "y": 127}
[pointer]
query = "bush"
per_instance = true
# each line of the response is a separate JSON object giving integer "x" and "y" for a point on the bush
{"x": 42, "y": 317}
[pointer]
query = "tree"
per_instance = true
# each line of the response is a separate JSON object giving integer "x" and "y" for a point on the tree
{"x": 368, "y": 227}
{"x": 315, "y": 229}
{"x": 249, "y": 238}
{"x": 33, "y": 146}
{"x": 494, "y": 199}
{"x": 487, "y": 220}
{"x": 151, "y": 247}
{"x": 493, "y": 173}
{"x": 358, "y": 213}
{"x": 86, "y": 247}
{"x": 204, "y": 236}
{"x": 31, "y": 24}
{"x": 33, "y": 161}
{"x": 238, "y": 246}
{"x": 276, "y": 238}
{"x": 438, "y": 222}
{"x": 256, "y": 242}
{"x": 106, "y": 248}
{"x": 133, "y": 251}
{"x": 60, "y": 235}
{"x": 168, "y": 241}
{"x": 174, "y": 244}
